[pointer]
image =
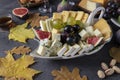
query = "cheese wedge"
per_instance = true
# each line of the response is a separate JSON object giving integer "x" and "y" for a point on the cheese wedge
{"x": 85, "y": 17}
{"x": 79, "y": 15}
{"x": 57, "y": 16}
{"x": 89, "y": 29}
{"x": 65, "y": 15}
{"x": 56, "y": 36}
{"x": 84, "y": 34}
{"x": 62, "y": 50}
{"x": 73, "y": 14}
{"x": 103, "y": 27}
{"x": 97, "y": 33}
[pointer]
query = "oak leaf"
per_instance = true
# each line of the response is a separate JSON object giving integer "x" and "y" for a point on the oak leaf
{"x": 65, "y": 74}
{"x": 19, "y": 68}
{"x": 21, "y": 33}
{"x": 19, "y": 50}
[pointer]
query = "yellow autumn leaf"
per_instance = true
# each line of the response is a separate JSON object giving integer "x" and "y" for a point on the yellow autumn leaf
{"x": 21, "y": 33}
{"x": 9, "y": 67}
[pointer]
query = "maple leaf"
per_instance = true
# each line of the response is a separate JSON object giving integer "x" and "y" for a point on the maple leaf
{"x": 19, "y": 50}
{"x": 65, "y": 74}
{"x": 11, "y": 68}
{"x": 34, "y": 19}
{"x": 20, "y": 33}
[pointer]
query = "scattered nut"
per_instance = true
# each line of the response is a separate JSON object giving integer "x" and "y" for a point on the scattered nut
{"x": 117, "y": 69}
{"x": 104, "y": 66}
{"x": 113, "y": 62}
{"x": 101, "y": 74}
{"x": 109, "y": 71}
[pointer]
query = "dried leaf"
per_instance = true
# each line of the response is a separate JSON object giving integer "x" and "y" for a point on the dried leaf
{"x": 34, "y": 19}
{"x": 65, "y": 74}
{"x": 19, "y": 50}
{"x": 20, "y": 33}
{"x": 115, "y": 53}
{"x": 18, "y": 69}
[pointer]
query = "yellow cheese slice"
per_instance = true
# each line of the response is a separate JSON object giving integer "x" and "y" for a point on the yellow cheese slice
{"x": 85, "y": 17}
{"x": 73, "y": 14}
{"x": 79, "y": 15}
{"x": 104, "y": 28}
{"x": 57, "y": 16}
{"x": 65, "y": 15}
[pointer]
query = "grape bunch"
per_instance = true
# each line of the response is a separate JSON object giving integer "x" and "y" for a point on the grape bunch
{"x": 70, "y": 35}
{"x": 112, "y": 10}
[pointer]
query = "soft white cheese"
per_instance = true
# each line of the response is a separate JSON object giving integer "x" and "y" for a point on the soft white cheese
{"x": 62, "y": 50}
{"x": 70, "y": 50}
{"x": 89, "y": 29}
{"x": 56, "y": 36}
{"x": 77, "y": 48}
{"x": 97, "y": 33}
{"x": 83, "y": 34}
{"x": 43, "y": 25}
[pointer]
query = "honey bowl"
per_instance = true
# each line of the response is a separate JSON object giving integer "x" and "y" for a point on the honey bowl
{"x": 6, "y": 22}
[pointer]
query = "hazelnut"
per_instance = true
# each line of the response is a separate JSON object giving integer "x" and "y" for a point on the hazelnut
{"x": 109, "y": 71}
{"x": 104, "y": 66}
{"x": 113, "y": 62}
{"x": 117, "y": 69}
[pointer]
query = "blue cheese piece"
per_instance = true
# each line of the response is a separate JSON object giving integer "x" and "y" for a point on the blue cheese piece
{"x": 62, "y": 50}
{"x": 77, "y": 48}
{"x": 70, "y": 50}
{"x": 83, "y": 34}
{"x": 43, "y": 51}
{"x": 56, "y": 46}
{"x": 90, "y": 30}
{"x": 45, "y": 42}
{"x": 97, "y": 33}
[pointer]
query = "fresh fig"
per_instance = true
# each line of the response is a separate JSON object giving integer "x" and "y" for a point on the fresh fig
{"x": 118, "y": 36}
{"x": 64, "y": 5}
{"x": 20, "y": 12}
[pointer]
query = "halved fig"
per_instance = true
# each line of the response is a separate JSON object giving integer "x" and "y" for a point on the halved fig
{"x": 20, "y": 12}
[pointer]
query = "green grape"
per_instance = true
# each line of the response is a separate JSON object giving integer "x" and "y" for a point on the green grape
{"x": 57, "y": 24}
{"x": 71, "y": 21}
{"x": 119, "y": 19}
{"x": 80, "y": 23}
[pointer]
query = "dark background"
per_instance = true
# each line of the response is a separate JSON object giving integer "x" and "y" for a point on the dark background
{"x": 88, "y": 65}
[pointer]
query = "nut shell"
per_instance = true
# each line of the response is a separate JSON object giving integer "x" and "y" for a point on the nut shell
{"x": 104, "y": 66}
{"x": 109, "y": 71}
{"x": 117, "y": 69}
{"x": 113, "y": 62}
{"x": 101, "y": 74}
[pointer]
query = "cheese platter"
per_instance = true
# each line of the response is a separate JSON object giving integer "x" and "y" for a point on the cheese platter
{"x": 78, "y": 34}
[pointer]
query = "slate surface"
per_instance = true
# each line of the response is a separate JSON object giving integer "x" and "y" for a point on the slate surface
{"x": 88, "y": 65}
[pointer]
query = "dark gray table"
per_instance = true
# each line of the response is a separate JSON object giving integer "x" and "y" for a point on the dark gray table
{"x": 88, "y": 65}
